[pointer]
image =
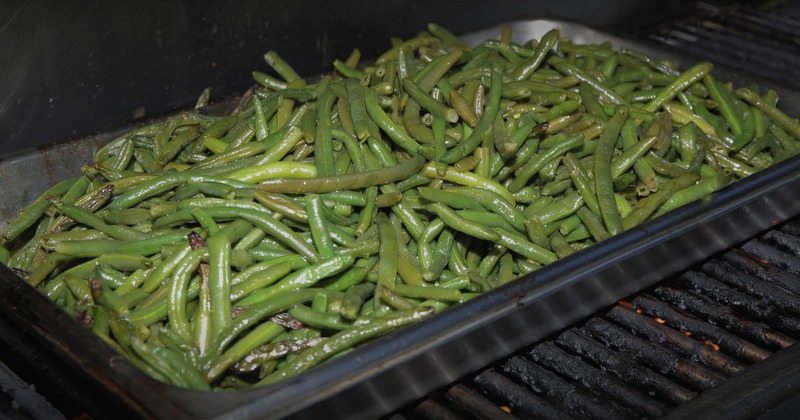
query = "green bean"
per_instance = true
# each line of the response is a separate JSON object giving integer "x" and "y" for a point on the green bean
{"x": 494, "y": 203}
{"x": 386, "y": 124}
{"x": 79, "y": 288}
{"x": 353, "y": 276}
{"x": 568, "y": 69}
{"x": 165, "y": 149}
{"x": 748, "y": 132}
{"x": 273, "y": 170}
{"x": 784, "y": 121}
{"x": 325, "y": 184}
{"x": 302, "y": 278}
{"x": 536, "y": 233}
{"x": 604, "y": 185}
{"x": 468, "y": 145}
{"x": 525, "y": 69}
{"x": 560, "y": 209}
{"x": 261, "y": 334}
{"x": 541, "y": 159}
{"x": 682, "y": 82}
{"x": 346, "y": 70}
{"x": 84, "y": 217}
{"x": 357, "y": 108}
{"x": 219, "y": 274}
{"x": 738, "y": 167}
{"x": 158, "y": 363}
{"x": 560, "y": 245}
{"x": 449, "y": 198}
{"x": 569, "y": 224}
{"x": 205, "y": 221}
{"x": 318, "y": 319}
{"x": 162, "y": 272}
{"x": 703, "y": 188}
{"x": 323, "y": 144}
{"x": 156, "y": 186}
{"x": 268, "y": 81}
{"x": 784, "y": 140}
{"x": 725, "y": 104}
{"x": 646, "y": 206}
{"x": 524, "y": 247}
{"x": 128, "y": 217}
{"x": 427, "y": 102}
{"x": 593, "y": 222}
{"x": 266, "y": 222}
{"x": 319, "y": 230}
{"x": 32, "y": 213}
{"x": 435, "y": 293}
{"x": 254, "y": 314}
{"x": 388, "y": 199}
{"x": 486, "y": 219}
{"x": 469, "y": 179}
{"x": 281, "y": 66}
{"x": 643, "y": 170}
{"x": 368, "y": 211}
{"x": 631, "y": 155}
{"x": 387, "y": 253}
{"x": 201, "y": 328}
{"x": 427, "y": 78}
{"x": 453, "y": 220}
{"x": 354, "y": 298}
{"x": 344, "y": 340}
{"x": 178, "y": 318}
{"x": 662, "y": 166}
{"x": 446, "y": 36}
{"x": 408, "y": 268}
{"x": 581, "y": 181}
{"x": 109, "y": 276}
{"x": 463, "y": 109}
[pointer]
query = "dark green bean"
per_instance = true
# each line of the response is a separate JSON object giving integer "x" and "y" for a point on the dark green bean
{"x": 682, "y": 82}
{"x": 525, "y": 69}
{"x": 346, "y": 339}
{"x": 604, "y": 180}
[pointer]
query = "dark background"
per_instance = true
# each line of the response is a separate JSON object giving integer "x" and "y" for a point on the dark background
{"x": 73, "y": 68}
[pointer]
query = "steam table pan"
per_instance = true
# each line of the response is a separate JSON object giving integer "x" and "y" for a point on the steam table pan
{"x": 395, "y": 369}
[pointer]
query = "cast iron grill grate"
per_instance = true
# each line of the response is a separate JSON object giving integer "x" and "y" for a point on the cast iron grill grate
{"x": 758, "y": 40}
{"x": 652, "y": 352}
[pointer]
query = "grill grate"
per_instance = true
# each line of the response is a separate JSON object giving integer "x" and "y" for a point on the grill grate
{"x": 651, "y": 353}
{"x": 756, "y": 40}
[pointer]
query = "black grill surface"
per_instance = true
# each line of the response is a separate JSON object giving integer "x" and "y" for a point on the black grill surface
{"x": 652, "y": 353}
{"x": 760, "y": 38}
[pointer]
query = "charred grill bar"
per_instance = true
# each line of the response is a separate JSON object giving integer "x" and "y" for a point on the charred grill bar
{"x": 670, "y": 350}
{"x": 749, "y": 37}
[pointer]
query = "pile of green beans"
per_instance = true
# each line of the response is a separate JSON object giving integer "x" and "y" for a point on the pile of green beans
{"x": 232, "y": 251}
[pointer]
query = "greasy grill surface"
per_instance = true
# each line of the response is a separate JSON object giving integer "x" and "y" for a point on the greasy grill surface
{"x": 757, "y": 39}
{"x": 651, "y": 353}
